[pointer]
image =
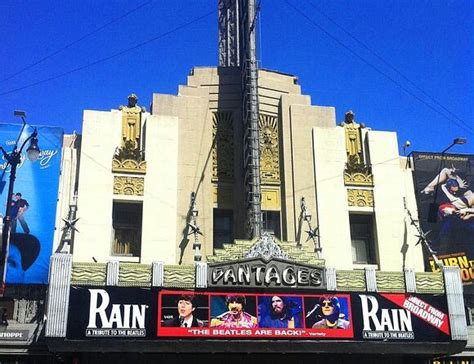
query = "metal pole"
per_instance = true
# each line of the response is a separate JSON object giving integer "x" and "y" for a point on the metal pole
{"x": 13, "y": 159}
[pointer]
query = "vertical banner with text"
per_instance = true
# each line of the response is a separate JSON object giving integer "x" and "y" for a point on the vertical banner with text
{"x": 33, "y": 208}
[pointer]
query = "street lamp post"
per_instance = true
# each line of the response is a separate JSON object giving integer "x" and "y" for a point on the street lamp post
{"x": 13, "y": 159}
{"x": 433, "y": 209}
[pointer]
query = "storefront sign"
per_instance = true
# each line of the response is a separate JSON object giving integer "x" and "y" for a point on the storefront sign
{"x": 275, "y": 273}
{"x": 14, "y": 335}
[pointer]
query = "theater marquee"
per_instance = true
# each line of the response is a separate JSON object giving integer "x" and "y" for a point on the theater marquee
{"x": 259, "y": 273}
{"x": 124, "y": 313}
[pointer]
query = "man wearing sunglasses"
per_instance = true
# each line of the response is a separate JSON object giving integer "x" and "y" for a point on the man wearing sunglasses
{"x": 329, "y": 311}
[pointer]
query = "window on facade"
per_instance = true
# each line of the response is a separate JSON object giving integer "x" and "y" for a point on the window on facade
{"x": 362, "y": 237}
{"x": 127, "y": 227}
{"x": 271, "y": 223}
{"x": 223, "y": 227}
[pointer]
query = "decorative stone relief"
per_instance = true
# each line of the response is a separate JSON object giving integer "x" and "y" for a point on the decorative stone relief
{"x": 131, "y": 186}
{"x": 223, "y": 146}
{"x": 128, "y": 161}
{"x": 269, "y": 149}
{"x": 356, "y": 178}
{"x": 360, "y": 198}
{"x": 266, "y": 248}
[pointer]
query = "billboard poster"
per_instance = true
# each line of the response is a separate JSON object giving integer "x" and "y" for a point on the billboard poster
{"x": 400, "y": 317}
{"x": 444, "y": 190}
{"x": 111, "y": 312}
{"x": 150, "y": 314}
{"x": 34, "y": 203}
{"x": 245, "y": 315}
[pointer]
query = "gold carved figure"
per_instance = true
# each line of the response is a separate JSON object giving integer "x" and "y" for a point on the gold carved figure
{"x": 131, "y": 121}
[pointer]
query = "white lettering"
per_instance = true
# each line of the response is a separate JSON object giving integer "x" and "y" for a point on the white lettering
{"x": 95, "y": 310}
{"x": 122, "y": 316}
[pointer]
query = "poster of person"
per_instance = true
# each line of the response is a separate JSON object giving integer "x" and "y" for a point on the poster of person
{"x": 444, "y": 190}
{"x": 280, "y": 312}
{"x": 330, "y": 314}
{"x": 184, "y": 309}
{"x": 33, "y": 206}
{"x": 233, "y": 311}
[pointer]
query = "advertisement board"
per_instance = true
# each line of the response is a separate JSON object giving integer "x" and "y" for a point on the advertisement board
{"x": 245, "y": 315}
{"x": 148, "y": 314}
{"x": 34, "y": 203}
{"x": 112, "y": 312}
{"x": 443, "y": 187}
{"x": 400, "y": 317}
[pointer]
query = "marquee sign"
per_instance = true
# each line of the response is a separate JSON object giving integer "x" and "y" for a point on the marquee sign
{"x": 261, "y": 273}
{"x": 122, "y": 313}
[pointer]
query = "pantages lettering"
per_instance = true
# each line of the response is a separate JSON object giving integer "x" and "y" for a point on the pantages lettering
{"x": 260, "y": 274}
{"x": 116, "y": 319}
{"x": 384, "y": 323}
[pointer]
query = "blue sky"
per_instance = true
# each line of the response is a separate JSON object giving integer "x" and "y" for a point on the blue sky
{"x": 404, "y": 66}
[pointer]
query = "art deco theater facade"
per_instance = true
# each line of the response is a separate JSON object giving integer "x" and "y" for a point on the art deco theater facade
{"x": 236, "y": 220}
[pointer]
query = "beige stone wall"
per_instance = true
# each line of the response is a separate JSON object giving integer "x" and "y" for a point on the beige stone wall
{"x": 333, "y": 211}
{"x": 390, "y": 190}
{"x": 392, "y": 186}
{"x": 101, "y": 135}
{"x": 204, "y": 94}
{"x": 280, "y": 95}
{"x": 160, "y": 201}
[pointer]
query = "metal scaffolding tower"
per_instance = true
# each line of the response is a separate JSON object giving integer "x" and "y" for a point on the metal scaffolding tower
{"x": 237, "y": 47}
{"x": 229, "y": 33}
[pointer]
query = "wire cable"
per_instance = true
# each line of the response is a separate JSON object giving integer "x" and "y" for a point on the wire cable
{"x": 388, "y": 64}
{"x": 102, "y": 60}
{"x": 462, "y": 126}
{"x": 48, "y": 56}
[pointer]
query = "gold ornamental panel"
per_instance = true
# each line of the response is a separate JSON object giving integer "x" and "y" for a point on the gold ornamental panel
{"x": 130, "y": 186}
{"x": 358, "y": 179}
{"x": 270, "y": 199}
{"x": 128, "y": 166}
{"x": 360, "y": 198}
{"x": 269, "y": 149}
